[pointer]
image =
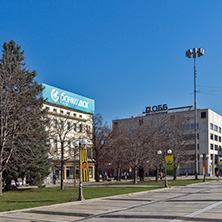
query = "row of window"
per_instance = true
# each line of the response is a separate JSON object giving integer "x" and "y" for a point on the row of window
{"x": 67, "y": 113}
{"x": 68, "y": 148}
{"x": 215, "y": 146}
{"x": 215, "y": 128}
{"x": 68, "y": 125}
{"x": 215, "y": 137}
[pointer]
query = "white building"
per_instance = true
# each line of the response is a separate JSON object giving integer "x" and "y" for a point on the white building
{"x": 209, "y": 124}
{"x": 69, "y": 119}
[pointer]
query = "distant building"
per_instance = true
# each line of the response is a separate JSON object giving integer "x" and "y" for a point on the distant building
{"x": 74, "y": 113}
{"x": 209, "y": 124}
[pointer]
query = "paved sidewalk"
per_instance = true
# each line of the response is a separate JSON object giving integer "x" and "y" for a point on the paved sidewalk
{"x": 197, "y": 202}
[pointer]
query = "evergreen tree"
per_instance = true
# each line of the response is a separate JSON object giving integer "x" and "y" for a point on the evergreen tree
{"x": 22, "y": 133}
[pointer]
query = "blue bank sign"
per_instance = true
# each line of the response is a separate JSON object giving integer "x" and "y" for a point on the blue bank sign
{"x": 65, "y": 98}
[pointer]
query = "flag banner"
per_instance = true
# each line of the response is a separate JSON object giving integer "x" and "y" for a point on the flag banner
{"x": 85, "y": 166}
{"x": 169, "y": 165}
{"x": 206, "y": 166}
{"x": 220, "y": 167}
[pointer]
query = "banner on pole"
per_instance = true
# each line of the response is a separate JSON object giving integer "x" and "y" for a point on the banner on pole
{"x": 169, "y": 165}
{"x": 85, "y": 166}
{"x": 220, "y": 167}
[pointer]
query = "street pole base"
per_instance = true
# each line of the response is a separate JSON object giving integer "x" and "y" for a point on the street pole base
{"x": 81, "y": 198}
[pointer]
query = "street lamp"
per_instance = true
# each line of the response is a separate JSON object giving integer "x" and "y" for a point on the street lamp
{"x": 80, "y": 144}
{"x": 169, "y": 152}
{"x": 189, "y": 53}
{"x": 204, "y": 156}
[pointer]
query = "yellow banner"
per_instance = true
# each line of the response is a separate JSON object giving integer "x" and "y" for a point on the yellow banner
{"x": 220, "y": 167}
{"x": 85, "y": 166}
{"x": 169, "y": 165}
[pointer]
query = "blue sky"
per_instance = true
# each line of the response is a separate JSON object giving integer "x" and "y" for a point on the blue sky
{"x": 124, "y": 54}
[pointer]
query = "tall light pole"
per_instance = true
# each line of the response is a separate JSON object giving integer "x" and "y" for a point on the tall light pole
{"x": 189, "y": 53}
{"x": 79, "y": 144}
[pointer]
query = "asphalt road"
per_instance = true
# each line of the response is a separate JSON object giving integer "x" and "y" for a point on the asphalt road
{"x": 198, "y": 202}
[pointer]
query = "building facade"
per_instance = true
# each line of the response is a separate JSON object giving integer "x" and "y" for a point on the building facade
{"x": 69, "y": 119}
{"x": 209, "y": 124}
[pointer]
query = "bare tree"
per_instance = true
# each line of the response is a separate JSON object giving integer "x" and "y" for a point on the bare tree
{"x": 118, "y": 149}
{"x": 179, "y": 137}
{"x": 101, "y": 136}
{"x": 64, "y": 131}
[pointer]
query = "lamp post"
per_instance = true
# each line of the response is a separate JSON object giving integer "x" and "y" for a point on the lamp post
{"x": 80, "y": 145}
{"x": 169, "y": 152}
{"x": 189, "y": 53}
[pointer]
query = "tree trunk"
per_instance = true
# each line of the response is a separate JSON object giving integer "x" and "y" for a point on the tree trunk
{"x": 0, "y": 183}
{"x": 74, "y": 174}
{"x": 175, "y": 172}
{"x": 97, "y": 172}
{"x": 62, "y": 172}
{"x": 135, "y": 175}
{"x": 118, "y": 177}
{"x": 8, "y": 183}
{"x": 157, "y": 174}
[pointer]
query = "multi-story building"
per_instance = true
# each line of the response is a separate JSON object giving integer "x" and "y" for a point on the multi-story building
{"x": 209, "y": 124}
{"x": 69, "y": 119}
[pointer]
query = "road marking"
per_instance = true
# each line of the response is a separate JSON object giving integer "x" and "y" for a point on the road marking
{"x": 200, "y": 211}
{"x": 204, "y": 209}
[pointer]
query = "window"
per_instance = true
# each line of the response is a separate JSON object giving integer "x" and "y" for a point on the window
{"x": 69, "y": 147}
{"x": 69, "y": 172}
{"x": 74, "y": 127}
{"x": 88, "y": 129}
{"x": 54, "y": 110}
{"x": 216, "y": 159}
{"x": 74, "y": 114}
{"x": 47, "y": 122}
{"x": 61, "y": 111}
{"x": 216, "y": 137}
{"x": 89, "y": 152}
{"x": 68, "y": 113}
{"x": 54, "y": 123}
{"x": 115, "y": 124}
{"x": 55, "y": 146}
{"x": 219, "y": 148}
{"x": 211, "y": 126}
{"x": 68, "y": 126}
{"x": 203, "y": 115}
{"x": 219, "y": 129}
{"x": 219, "y": 138}
{"x": 61, "y": 124}
{"x": 192, "y": 126}
{"x": 80, "y": 128}
{"x": 215, "y": 128}
{"x": 198, "y": 136}
{"x": 216, "y": 147}
{"x": 211, "y": 146}
{"x": 80, "y": 116}
{"x": 211, "y": 136}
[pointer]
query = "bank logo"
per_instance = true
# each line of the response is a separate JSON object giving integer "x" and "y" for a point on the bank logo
{"x": 54, "y": 95}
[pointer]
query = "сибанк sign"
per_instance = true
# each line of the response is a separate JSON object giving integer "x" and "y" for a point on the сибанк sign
{"x": 65, "y": 98}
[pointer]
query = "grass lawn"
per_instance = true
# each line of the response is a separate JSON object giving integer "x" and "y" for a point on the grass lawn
{"x": 27, "y": 198}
